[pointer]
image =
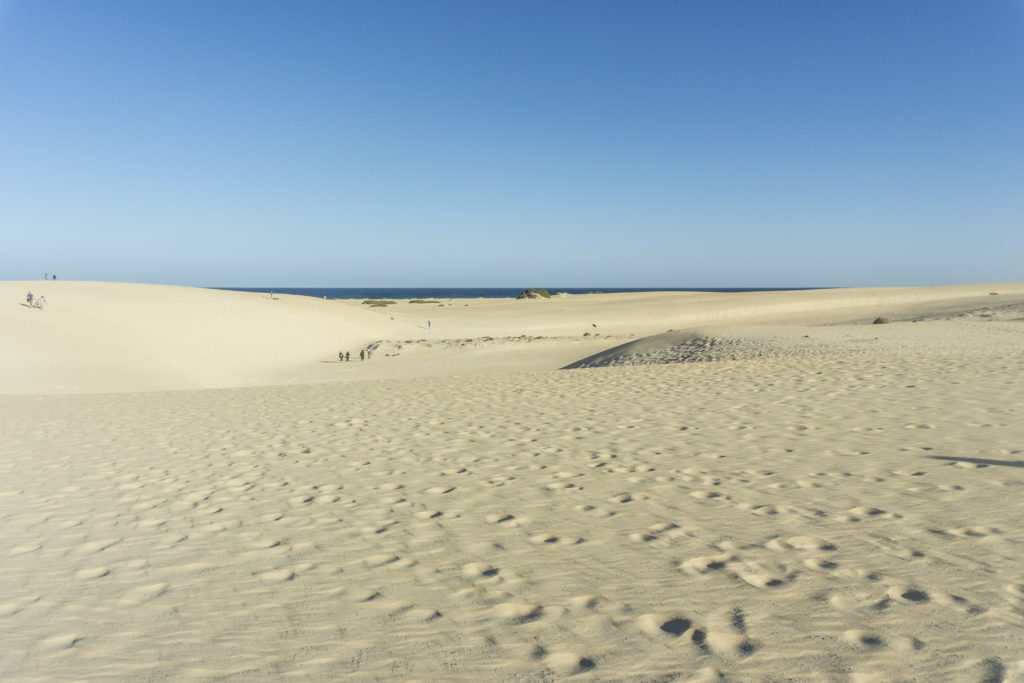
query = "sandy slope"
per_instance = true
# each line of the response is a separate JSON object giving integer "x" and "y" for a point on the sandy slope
{"x": 98, "y": 337}
{"x": 839, "y": 502}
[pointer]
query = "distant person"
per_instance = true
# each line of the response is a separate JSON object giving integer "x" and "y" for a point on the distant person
{"x": 369, "y": 353}
{"x": 46, "y": 276}
{"x": 362, "y": 354}
{"x": 40, "y": 302}
{"x": 54, "y": 278}
{"x": 341, "y": 356}
{"x": 29, "y": 299}
{"x": 428, "y": 324}
{"x": 347, "y": 358}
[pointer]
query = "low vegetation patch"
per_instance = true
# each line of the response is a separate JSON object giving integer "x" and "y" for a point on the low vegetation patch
{"x": 424, "y": 301}
{"x": 534, "y": 294}
{"x": 881, "y": 321}
{"x": 378, "y": 302}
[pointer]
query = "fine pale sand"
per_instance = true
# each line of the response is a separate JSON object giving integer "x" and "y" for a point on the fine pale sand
{"x": 759, "y": 486}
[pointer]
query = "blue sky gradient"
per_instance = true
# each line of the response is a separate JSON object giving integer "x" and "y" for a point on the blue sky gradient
{"x": 617, "y": 144}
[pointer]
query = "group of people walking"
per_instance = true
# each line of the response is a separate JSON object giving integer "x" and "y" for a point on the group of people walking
{"x": 344, "y": 357}
{"x": 34, "y": 301}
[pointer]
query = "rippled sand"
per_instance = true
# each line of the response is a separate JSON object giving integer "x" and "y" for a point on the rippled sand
{"x": 837, "y": 502}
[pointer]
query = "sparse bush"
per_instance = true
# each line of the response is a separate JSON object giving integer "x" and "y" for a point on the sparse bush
{"x": 534, "y": 294}
{"x": 378, "y": 302}
{"x": 424, "y": 301}
{"x": 881, "y": 321}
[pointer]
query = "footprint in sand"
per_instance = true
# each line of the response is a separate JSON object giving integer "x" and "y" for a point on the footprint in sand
{"x": 863, "y": 639}
{"x": 733, "y": 645}
{"x": 142, "y": 594}
{"x": 392, "y": 607}
{"x": 381, "y": 560}
{"x": 594, "y": 510}
{"x": 91, "y": 547}
{"x": 60, "y": 642}
{"x": 707, "y": 563}
{"x": 762, "y": 574}
{"x": 589, "y": 602}
{"x": 284, "y": 574}
{"x": 799, "y": 543}
{"x": 9, "y": 608}
{"x": 850, "y": 601}
{"x": 956, "y": 602}
{"x": 864, "y": 511}
{"x": 515, "y": 612}
{"x": 24, "y": 549}
{"x": 654, "y": 532}
{"x": 350, "y": 594}
{"x": 422, "y": 614}
{"x": 503, "y": 519}
{"x": 568, "y": 663}
{"x": 820, "y": 564}
{"x": 91, "y": 573}
{"x": 662, "y": 625}
{"x": 809, "y": 543}
{"x": 543, "y": 539}
{"x": 477, "y": 570}
{"x": 907, "y": 594}
{"x": 973, "y": 531}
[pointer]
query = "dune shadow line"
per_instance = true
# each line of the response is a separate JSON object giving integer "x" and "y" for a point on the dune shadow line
{"x": 979, "y": 461}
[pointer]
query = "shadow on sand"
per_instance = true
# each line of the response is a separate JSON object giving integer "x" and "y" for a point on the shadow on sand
{"x": 979, "y": 461}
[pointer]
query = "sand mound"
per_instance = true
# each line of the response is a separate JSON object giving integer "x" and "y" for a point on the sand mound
{"x": 105, "y": 337}
{"x": 99, "y": 337}
{"x": 671, "y": 347}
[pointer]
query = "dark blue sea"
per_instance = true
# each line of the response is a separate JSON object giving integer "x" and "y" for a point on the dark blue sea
{"x": 398, "y": 293}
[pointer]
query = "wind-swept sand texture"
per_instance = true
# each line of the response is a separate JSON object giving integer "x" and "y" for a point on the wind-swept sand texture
{"x": 809, "y": 500}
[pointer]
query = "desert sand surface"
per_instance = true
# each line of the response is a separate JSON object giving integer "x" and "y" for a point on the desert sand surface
{"x": 643, "y": 487}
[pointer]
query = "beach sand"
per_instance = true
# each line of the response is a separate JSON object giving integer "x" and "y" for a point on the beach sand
{"x": 757, "y": 486}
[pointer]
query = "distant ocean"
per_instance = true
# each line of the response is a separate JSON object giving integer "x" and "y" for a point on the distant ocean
{"x": 475, "y": 292}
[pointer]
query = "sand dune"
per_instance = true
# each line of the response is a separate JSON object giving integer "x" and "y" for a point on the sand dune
{"x": 100, "y": 337}
{"x": 812, "y": 500}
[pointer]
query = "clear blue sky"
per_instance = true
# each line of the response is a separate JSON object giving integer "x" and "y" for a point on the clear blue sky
{"x": 512, "y": 143}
